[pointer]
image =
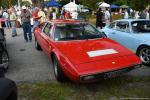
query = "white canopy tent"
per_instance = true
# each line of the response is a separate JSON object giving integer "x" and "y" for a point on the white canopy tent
{"x": 71, "y": 6}
{"x": 104, "y": 5}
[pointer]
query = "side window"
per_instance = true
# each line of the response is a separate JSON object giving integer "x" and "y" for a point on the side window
{"x": 123, "y": 27}
{"x": 112, "y": 25}
{"x": 47, "y": 29}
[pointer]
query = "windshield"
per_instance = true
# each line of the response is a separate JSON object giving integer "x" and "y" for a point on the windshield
{"x": 80, "y": 31}
{"x": 141, "y": 26}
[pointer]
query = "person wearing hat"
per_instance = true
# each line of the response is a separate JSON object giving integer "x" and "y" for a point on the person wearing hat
{"x": 26, "y": 25}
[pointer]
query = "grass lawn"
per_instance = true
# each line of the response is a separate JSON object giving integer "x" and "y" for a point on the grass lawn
{"x": 110, "y": 89}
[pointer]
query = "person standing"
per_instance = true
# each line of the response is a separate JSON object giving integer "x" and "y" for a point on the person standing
{"x": 99, "y": 17}
{"x": 1, "y": 13}
{"x": 13, "y": 19}
{"x": 6, "y": 17}
{"x": 35, "y": 18}
{"x": 126, "y": 15}
{"x": 147, "y": 14}
{"x": 137, "y": 15}
{"x": 18, "y": 16}
{"x": 74, "y": 14}
{"x": 54, "y": 14}
{"x": 62, "y": 13}
{"x": 67, "y": 14}
{"x": 143, "y": 14}
{"x": 41, "y": 14}
{"x": 107, "y": 16}
{"x": 25, "y": 17}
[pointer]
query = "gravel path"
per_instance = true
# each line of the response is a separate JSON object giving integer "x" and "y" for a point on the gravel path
{"x": 26, "y": 63}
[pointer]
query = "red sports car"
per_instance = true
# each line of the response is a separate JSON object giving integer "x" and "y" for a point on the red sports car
{"x": 81, "y": 53}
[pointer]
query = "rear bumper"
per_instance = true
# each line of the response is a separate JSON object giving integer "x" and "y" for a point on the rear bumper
{"x": 109, "y": 74}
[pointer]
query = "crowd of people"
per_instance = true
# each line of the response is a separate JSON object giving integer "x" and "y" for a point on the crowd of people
{"x": 104, "y": 15}
{"x": 29, "y": 18}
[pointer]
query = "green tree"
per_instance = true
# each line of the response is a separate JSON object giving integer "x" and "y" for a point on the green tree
{"x": 26, "y": 3}
{"x": 7, "y": 3}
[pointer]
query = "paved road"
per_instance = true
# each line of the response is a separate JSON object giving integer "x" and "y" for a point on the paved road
{"x": 28, "y": 64}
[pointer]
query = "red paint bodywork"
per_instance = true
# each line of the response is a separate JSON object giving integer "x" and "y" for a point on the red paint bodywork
{"x": 72, "y": 55}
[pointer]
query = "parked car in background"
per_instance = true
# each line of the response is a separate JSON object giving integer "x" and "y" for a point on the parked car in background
{"x": 4, "y": 57}
{"x": 81, "y": 53}
{"x": 133, "y": 34}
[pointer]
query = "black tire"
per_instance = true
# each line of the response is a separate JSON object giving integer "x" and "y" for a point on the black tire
{"x": 4, "y": 59}
{"x": 37, "y": 46}
{"x": 144, "y": 54}
{"x": 58, "y": 71}
{"x": 8, "y": 89}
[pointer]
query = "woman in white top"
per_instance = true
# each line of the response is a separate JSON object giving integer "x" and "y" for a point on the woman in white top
{"x": 147, "y": 15}
{"x": 6, "y": 17}
{"x": 126, "y": 15}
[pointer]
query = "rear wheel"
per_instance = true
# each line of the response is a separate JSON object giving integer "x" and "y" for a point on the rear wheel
{"x": 144, "y": 54}
{"x": 57, "y": 70}
{"x": 4, "y": 59}
{"x": 37, "y": 46}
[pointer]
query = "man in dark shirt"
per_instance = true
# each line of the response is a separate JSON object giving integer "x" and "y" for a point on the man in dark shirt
{"x": 25, "y": 17}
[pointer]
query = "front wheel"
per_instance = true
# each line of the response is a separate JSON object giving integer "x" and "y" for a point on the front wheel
{"x": 58, "y": 71}
{"x": 144, "y": 54}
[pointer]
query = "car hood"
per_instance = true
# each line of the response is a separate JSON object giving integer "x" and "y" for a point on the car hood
{"x": 144, "y": 37}
{"x": 84, "y": 51}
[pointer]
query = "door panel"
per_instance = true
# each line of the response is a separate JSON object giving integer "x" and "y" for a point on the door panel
{"x": 122, "y": 35}
{"x": 46, "y": 38}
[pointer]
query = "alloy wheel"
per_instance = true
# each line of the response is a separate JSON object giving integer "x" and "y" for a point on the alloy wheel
{"x": 145, "y": 55}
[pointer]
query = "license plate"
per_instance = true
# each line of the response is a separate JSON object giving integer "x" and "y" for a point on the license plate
{"x": 114, "y": 73}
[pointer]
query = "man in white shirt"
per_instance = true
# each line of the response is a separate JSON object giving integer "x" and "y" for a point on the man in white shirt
{"x": 107, "y": 17}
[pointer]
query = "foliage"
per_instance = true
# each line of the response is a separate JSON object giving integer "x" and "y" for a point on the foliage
{"x": 7, "y": 3}
{"x": 135, "y": 4}
{"x": 63, "y": 2}
{"x": 26, "y": 3}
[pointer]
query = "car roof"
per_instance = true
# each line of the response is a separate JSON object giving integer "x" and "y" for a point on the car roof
{"x": 130, "y": 20}
{"x": 66, "y": 21}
